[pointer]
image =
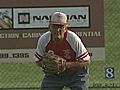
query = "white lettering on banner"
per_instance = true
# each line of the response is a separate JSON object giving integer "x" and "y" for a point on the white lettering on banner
{"x": 19, "y": 35}
{"x": 105, "y": 84}
{"x": 36, "y": 35}
{"x": 23, "y": 18}
{"x": 31, "y": 35}
{"x": 9, "y": 35}
{"x": 88, "y": 34}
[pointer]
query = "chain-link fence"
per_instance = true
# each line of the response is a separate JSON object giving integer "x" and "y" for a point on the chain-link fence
{"x": 27, "y": 76}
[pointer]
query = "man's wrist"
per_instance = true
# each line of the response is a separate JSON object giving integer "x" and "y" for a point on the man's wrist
{"x": 72, "y": 65}
{"x": 77, "y": 64}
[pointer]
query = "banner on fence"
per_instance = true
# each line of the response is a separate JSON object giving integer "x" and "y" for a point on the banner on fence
{"x": 22, "y": 25}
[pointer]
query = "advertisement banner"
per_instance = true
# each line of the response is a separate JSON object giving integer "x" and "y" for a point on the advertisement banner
{"x": 27, "y": 55}
{"x": 21, "y": 25}
{"x": 39, "y": 17}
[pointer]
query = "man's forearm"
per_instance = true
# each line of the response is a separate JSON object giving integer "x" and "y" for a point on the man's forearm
{"x": 77, "y": 64}
{"x": 39, "y": 63}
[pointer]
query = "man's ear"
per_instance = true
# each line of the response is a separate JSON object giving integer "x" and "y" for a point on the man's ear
{"x": 66, "y": 27}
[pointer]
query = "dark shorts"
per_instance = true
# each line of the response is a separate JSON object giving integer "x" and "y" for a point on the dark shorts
{"x": 74, "y": 80}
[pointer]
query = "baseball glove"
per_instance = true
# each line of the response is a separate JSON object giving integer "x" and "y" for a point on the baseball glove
{"x": 53, "y": 64}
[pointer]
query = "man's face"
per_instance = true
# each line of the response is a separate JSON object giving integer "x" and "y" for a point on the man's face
{"x": 57, "y": 32}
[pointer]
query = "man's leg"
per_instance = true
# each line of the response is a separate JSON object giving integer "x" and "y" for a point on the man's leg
{"x": 79, "y": 86}
{"x": 51, "y": 83}
{"x": 79, "y": 82}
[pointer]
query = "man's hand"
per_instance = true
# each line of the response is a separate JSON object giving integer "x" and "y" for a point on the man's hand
{"x": 53, "y": 64}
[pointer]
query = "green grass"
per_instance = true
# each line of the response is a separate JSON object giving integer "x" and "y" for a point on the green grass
{"x": 28, "y": 75}
{"x": 20, "y": 75}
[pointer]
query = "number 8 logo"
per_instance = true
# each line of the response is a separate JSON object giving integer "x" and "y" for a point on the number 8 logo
{"x": 109, "y": 73}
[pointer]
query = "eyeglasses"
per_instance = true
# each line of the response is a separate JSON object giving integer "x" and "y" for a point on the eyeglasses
{"x": 57, "y": 26}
